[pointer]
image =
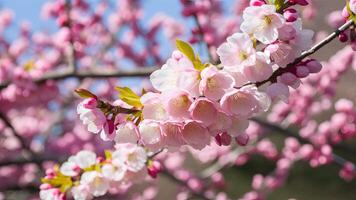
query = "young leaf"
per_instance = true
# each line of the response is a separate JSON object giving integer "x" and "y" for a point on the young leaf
{"x": 85, "y": 93}
{"x": 186, "y": 49}
{"x": 129, "y": 97}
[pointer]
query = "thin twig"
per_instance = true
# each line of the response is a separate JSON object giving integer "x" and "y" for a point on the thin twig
{"x": 22, "y": 141}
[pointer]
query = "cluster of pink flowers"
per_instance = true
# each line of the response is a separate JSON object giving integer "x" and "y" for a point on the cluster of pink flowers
{"x": 195, "y": 102}
{"x": 85, "y": 175}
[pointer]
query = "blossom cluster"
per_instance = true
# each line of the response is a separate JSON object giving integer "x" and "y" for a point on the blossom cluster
{"x": 86, "y": 175}
{"x": 194, "y": 102}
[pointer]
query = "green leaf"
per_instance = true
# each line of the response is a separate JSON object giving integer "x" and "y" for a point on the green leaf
{"x": 279, "y": 4}
{"x": 186, "y": 49}
{"x": 129, "y": 97}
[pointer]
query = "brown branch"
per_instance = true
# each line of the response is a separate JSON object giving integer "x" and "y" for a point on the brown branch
{"x": 39, "y": 159}
{"x": 59, "y": 75}
{"x": 22, "y": 141}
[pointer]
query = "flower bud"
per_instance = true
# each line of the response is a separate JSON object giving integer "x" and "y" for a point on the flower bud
{"x": 257, "y": 2}
{"x": 300, "y": 2}
{"x": 153, "y": 168}
{"x": 343, "y": 37}
{"x": 242, "y": 139}
{"x": 314, "y": 66}
{"x": 302, "y": 71}
{"x": 290, "y": 15}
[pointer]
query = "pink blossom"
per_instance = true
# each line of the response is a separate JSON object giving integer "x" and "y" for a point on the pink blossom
{"x": 244, "y": 102}
{"x": 204, "y": 111}
{"x": 238, "y": 50}
{"x": 263, "y": 22}
{"x": 195, "y": 135}
{"x": 214, "y": 83}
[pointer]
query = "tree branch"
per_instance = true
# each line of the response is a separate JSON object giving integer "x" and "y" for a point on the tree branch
{"x": 22, "y": 141}
{"x": 59, "y": 75}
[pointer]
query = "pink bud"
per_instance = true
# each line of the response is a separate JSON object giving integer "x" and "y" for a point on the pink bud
{"x": 300, "y": 2}
{"x": 90, "y": 103}
{"x": 343, "y": 37}
{"x": 225, "y": 139}
{"x": 218, "y": 180}
{"x": 154, "y": 168}
{"x": 242, "y": 139}
{"x": 314, "y": 66}
{"x": 290, "y": 15}
{"x": 257, "y": 2}
{"x": 302, "y": 71}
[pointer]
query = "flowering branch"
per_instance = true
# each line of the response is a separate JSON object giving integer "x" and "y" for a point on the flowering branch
{"x": 307, "y": 53}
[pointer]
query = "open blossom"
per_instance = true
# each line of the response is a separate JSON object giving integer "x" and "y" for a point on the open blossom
{"x": 51, "y": 194}
{"x": 237, "y": 51}
{"x": 244, "y": 102}
{"x": 215, "y": 82}
{"x": 114, "y": 172}
{"x": 150, "y": 132}
{"x": 91, "y": 116}
{"x": 127, "y": 133}
{"x": 260, "y": 70}
{"x": 177, "y": 103}
{"x": 204, "y": 111}
{"x": 81, "y": 192}
{"x": 262, "y": 22}
{"x": 133, "y": 156}
{"x": 196, "y": 135}
{"x": 153, "y": 107}
{"x": 80, "y": 161}
{"x": 97, "y": 183}
{"x": 177, "y": 73}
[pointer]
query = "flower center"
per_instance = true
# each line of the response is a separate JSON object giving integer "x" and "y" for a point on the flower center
{"x": 267, "y": 20}
{"x": 243, "y": 55}
{"x": 212, "y": 83}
